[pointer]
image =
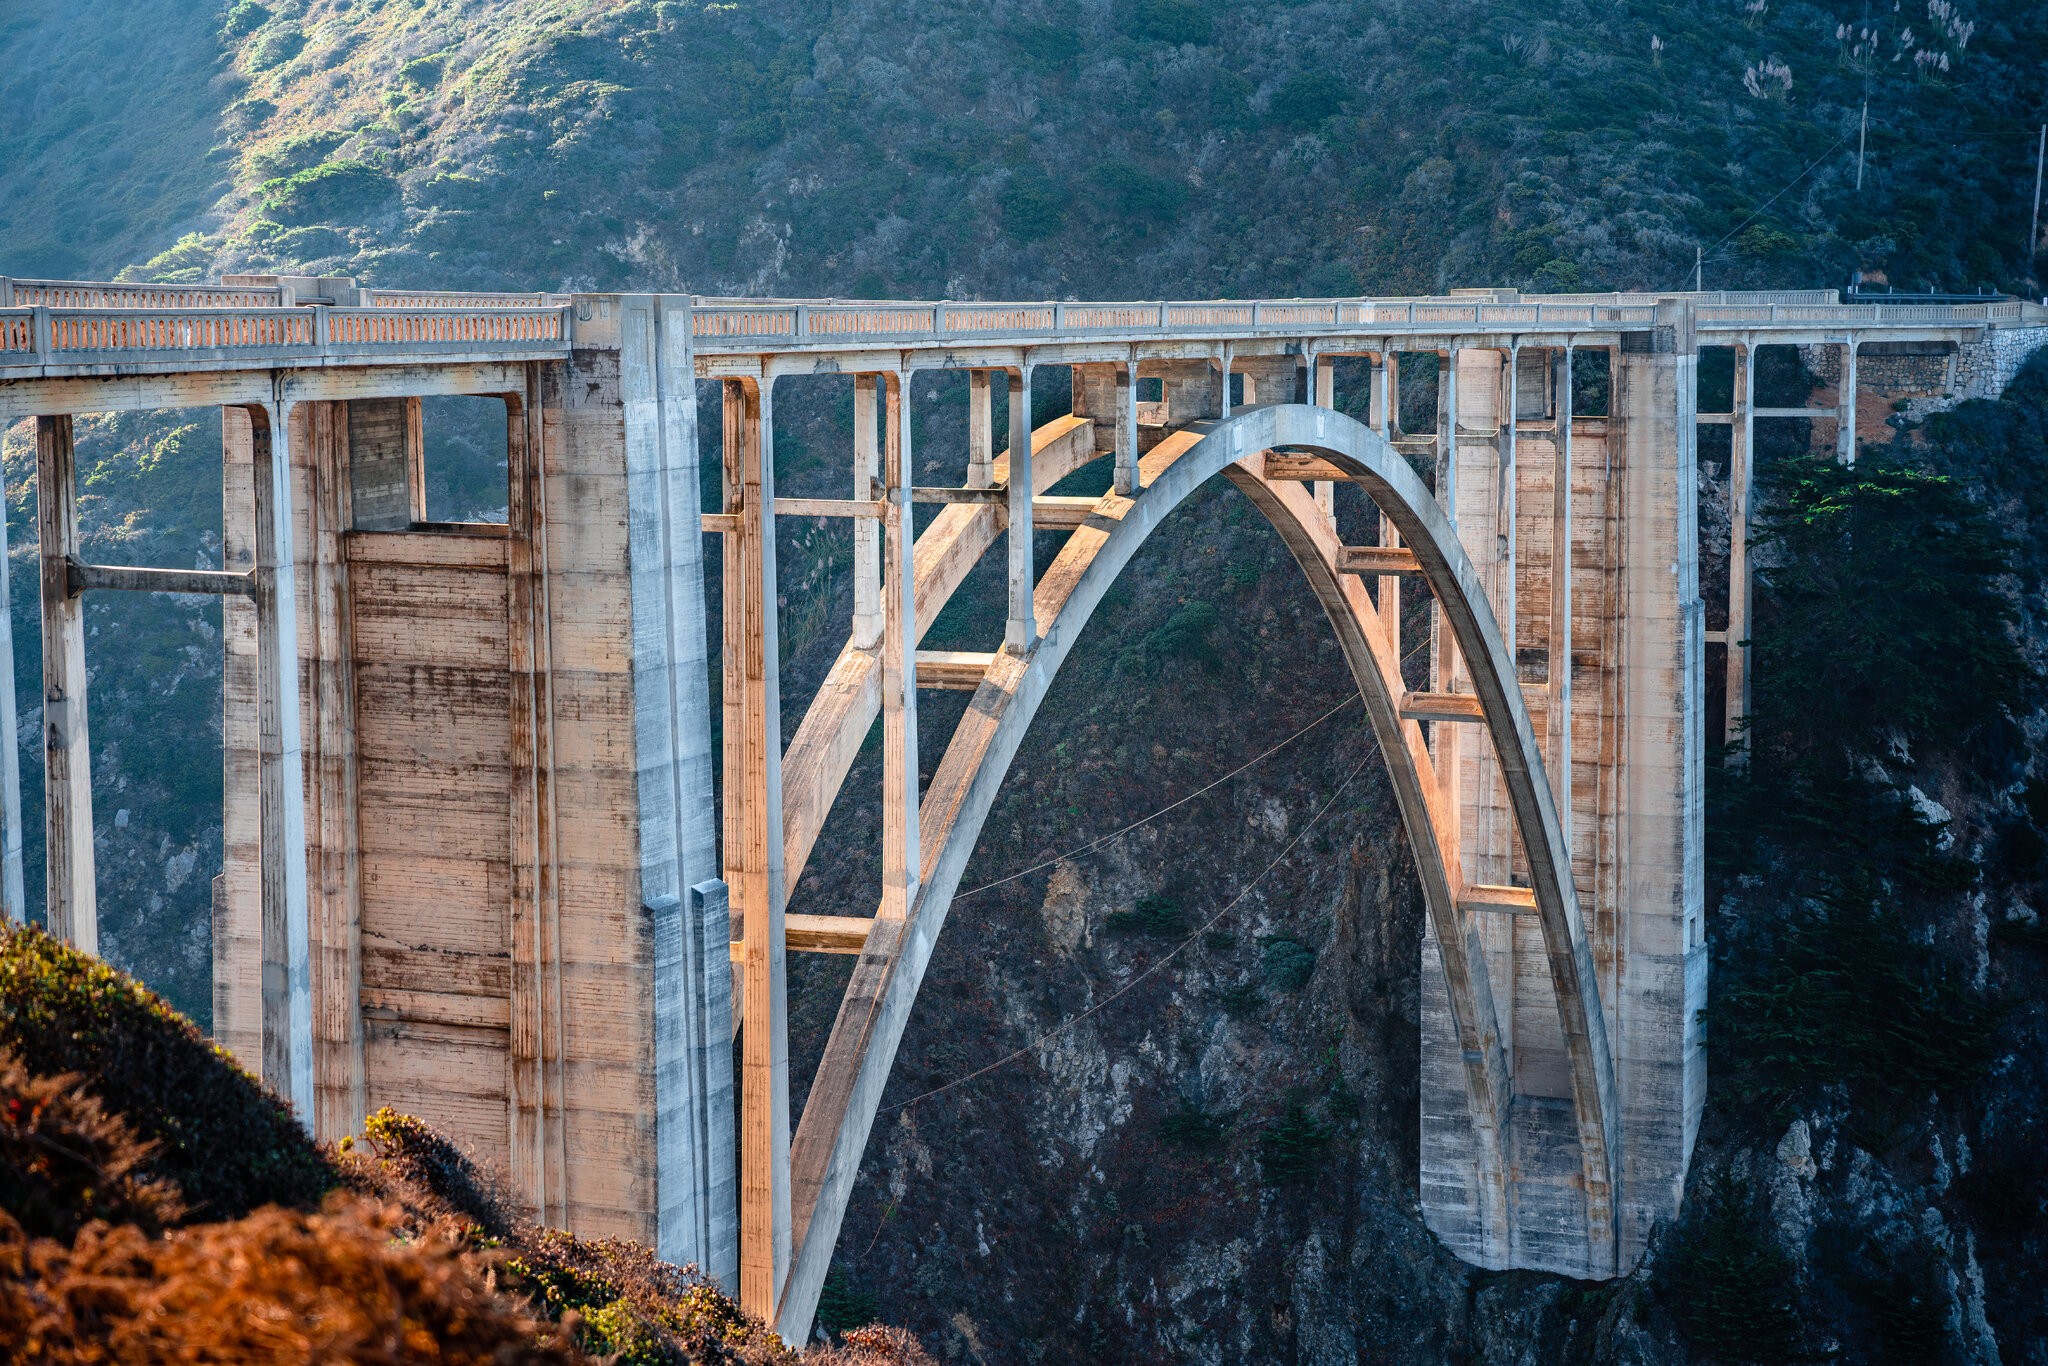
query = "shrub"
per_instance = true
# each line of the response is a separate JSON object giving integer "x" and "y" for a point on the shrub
{"x": 1884, "y": 607}
{"x": 289, "y": 155}
{"x": 183, "y": 261}
{"x": 1291, "y": 1148}
{"x": 126, "y": 1102}
{"x": 407, "y": 1159}
{"x": 229, "y": 1144}
{"x": 1806, "y": 1017}
{"x": 1308, "y": 99}
{"x": 423, "y": 73}
{"x": 1193, "y": 1128}
{"x": 277, "y": 45}
{"x": 1136, "y": 195}
{"x": 65, "y": 1161}
{"x": 1032, "y": 206}
{"x": 843, "y": 1305}
{"x": 631, "y": 1306}
{"x": 1288, "y": 963}
{"x": 1171, "y": 21}
{"x": 333, "y": 189}
{"x": 1730, "y": 1288}
{"x": 278, "y": 1286}
{"x": 1187, "y": 633}
{"x": 873, "y": 1345}
{"x": 244, "y": 18}
{"x": 1153, "y": 915}
{"x": 1908, "y": 1310}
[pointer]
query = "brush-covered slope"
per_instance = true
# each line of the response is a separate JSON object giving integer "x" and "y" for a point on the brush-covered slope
{"x": 1033, "y": 147}
{"x": 159, "y": 1204}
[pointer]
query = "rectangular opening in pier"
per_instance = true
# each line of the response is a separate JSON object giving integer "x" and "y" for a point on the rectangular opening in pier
{"x": 1715, "y": 390}
{"x": 464, "y": 459}
{"x": 416, "y": 463}
{"x": 1591, "y": 381}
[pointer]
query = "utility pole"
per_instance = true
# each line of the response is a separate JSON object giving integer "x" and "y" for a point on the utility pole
{"x": 1862, "y": 137}
{"x": 1699, "y": 265}
{"x": 2034, "y": 228}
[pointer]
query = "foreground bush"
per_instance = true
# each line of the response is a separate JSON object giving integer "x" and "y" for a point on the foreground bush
{"x": 391, "y": 1249}
{"x": 277, "y": 1286}
{"x": 229, "y": 1145}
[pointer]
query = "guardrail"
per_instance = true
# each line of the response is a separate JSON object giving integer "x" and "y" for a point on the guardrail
{"x": 743, "y": 325}
{"x": 430, "y": 298}
{"x": 762, "y": 324}
{"x": 102, "y": 294}
{"x": 734, "y": 320}
{"x": 116, "y": 337}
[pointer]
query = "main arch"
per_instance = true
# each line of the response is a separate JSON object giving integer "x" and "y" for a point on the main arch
{"x": 826, "y": 1150}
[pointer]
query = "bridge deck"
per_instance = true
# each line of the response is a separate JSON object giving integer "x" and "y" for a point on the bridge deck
{"x": 74, "y": 329}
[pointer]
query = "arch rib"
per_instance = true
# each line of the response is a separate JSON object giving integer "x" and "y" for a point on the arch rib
{"x": 847, "y": 1093}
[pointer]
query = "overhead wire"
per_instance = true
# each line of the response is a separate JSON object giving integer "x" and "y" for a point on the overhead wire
{"x": 1092, "y": 845}
{"x": 1096, "y": 843}
{"x": 1783, "y": 190}
{"x": 1065, "y": 1025}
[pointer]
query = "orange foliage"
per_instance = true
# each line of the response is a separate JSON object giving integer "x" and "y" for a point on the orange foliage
{"x": 278, "y": 1286}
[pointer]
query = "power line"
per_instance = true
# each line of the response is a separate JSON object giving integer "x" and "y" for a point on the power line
{"x": 1758, "y": 212}
{"x": 1151, "y": 968}
{"x": 1119, "y": 833}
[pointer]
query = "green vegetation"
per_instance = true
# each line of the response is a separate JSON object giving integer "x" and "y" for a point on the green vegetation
{"x": 1733, "y": 1291}
{"x": 1886, "y": 611}
{"x": 1158, "y": 916}
{"x": 149, "y": 493}
{"x": 1908, "y": 1312}
{"x": 1194, "y": 1129}
{"x": 1076, "y": 151}
{"x": 1804, "y": 1019}
{"x": 1188, "y": 635}
{"x": 1293, "y": 1146}
{"x": 227, "y": 1143}
{"x": 243, "y": 18}
{"x": 333, "y": 189}
{"x": 1891, "y": 600}
{"x": 1243, "y": 999}
{"x": 1888, "y": 624}
{"x": 118, "y": 1121}
{"x": 1288, "y": 963}
{"x": 843, "y": 1305}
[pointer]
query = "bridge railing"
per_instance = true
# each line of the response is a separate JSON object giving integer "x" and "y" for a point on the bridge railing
{"x": 104, "y": 294}
{"x": 435, "y": 298}
{"x": 114, "y": 337}
{"x": 737, "y": 322}
{"x": 749, "y": 324}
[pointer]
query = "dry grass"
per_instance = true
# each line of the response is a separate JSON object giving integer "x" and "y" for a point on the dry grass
{"x": 277, "y": 1286}
{"x": 412, "y": 1256}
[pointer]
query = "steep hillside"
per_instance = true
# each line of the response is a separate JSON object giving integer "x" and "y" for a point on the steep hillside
{"x": 158, "y": 1204}
{"x": 111, "y": 142}
{"x": 1056, "y": 147}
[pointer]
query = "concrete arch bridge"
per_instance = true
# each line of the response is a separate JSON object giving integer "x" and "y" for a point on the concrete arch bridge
{"x": 473, "y": 864}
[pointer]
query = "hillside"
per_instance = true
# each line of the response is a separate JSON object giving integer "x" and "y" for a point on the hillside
{"x": 1043, "y": 148}
{"x": 159, "y": 1204}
